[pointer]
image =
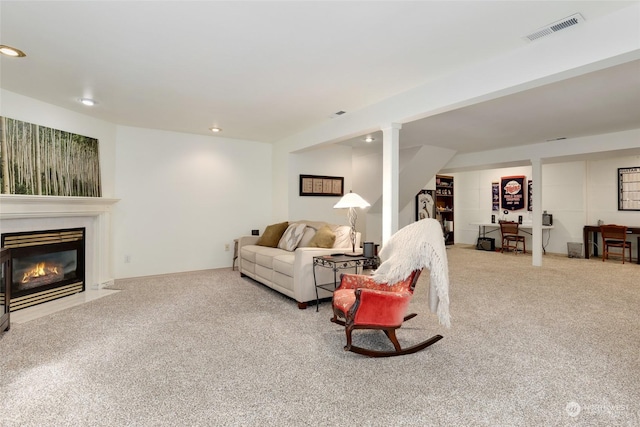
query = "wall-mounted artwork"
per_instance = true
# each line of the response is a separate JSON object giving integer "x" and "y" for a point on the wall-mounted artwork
{"x": 495, "y": 196}
{"x": 512, "y": 192}
{"x": 629, "y": 189}
{"x": 317, "y": 185}
{"x": 530, "y": 196}
{"x": 39, "y": 160}
{"x": 425, "y": 205}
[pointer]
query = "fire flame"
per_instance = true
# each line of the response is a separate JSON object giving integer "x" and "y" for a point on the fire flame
{"x": 41, "y": 269}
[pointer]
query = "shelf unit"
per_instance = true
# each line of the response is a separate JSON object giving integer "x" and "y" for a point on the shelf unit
{"x": 444, "y": 205}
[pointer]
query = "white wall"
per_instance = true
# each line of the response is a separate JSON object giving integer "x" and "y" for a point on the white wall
{"x": 602, "y": 185}
{"x": 332, "y": 160}
{"x": 184, "y": 197}
{"x": 562, "y": 196}
{"x": 576, "y": 193}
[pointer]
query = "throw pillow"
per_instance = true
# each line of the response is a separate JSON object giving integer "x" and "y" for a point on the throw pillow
{"x": 272, "y": 235}
{"x": 291, "y": 237}
{"x": 309, "y": 232}
{"x": 324, "y": 238}
{"x": 343, "y": 237}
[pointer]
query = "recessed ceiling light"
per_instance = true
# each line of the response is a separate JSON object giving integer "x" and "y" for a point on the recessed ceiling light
{"x": 369, "y": 139}
{"x": 11, "y": 51}
{"x": 88, "y": 102}
{"x": 215, "y": 129}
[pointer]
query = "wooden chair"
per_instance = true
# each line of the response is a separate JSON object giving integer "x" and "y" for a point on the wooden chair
{"x": 614, "y": 236}
{"x": 367, "y": 302}
{"x": 511, "y": 238}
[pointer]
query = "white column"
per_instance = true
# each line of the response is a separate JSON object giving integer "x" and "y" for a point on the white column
{"x": 390, "y": 179}
{"x": 536, "y": 231}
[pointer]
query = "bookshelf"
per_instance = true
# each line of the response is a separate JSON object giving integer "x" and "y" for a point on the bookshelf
{"x": 444, "y": 205}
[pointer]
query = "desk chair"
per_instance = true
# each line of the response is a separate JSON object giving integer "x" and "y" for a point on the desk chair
{"x": 510, "y": 237}
{"x": 614, "y": 236}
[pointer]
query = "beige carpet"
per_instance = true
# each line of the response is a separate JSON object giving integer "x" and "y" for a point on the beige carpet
{"x": 556, "y": 345}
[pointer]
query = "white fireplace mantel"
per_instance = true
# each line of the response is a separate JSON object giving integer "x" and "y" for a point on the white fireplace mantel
{"x": 26, "y": 213}
{"x": 13, "y": 206}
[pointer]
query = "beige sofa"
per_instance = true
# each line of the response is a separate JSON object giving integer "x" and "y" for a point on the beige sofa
{"x": 290, "y": 272}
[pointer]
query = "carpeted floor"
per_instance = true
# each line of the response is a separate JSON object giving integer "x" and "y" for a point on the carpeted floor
{"x": 556, "y": 345}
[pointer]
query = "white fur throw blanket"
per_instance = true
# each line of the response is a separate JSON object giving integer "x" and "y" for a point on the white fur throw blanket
{"x": 414, "y": 247}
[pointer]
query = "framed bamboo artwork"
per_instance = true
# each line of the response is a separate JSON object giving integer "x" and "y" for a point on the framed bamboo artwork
{"x": 38, "y": 160}
{"x": 319, "y": 185}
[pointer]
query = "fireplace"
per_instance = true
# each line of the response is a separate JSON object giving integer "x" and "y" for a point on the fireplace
{"x": 46, "y": 265}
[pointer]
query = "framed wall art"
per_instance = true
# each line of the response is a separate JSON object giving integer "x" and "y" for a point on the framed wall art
{"x": 495, "y": 196}
{"x": 629, "y": 189}
{"x": 42, "y": 161}
{"x": 512, "y": 189}
{"x": 425, "y": 205}
{"x": 318, "y": 185}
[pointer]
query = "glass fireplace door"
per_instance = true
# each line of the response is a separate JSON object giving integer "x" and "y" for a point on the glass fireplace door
{"x": 5, "y": 286}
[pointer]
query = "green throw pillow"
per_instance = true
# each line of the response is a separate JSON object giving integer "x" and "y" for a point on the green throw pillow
{"x": 324, "y": 238}
{"x": 272, "y": 235}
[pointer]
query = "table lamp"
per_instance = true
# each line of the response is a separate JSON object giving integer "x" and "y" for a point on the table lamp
{"x": 352, "y": 201}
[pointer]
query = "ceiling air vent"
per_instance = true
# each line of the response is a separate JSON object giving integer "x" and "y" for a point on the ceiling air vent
{"x": 555, "y": 27}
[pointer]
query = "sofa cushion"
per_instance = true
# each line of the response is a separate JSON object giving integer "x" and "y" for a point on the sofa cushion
{"x": 264, "y": 256}
{"x": 291, "y": 237}
{"x": 284, "y": 264}
{"x": 324, "y": 238}
{"x": 272, "y": 235}
{"x": 249, "y": 253}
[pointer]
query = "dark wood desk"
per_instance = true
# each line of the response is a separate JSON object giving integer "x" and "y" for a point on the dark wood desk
{"x": 594, "y": 230}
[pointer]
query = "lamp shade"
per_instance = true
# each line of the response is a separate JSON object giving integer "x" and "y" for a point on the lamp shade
{"x": 351, "y": 200}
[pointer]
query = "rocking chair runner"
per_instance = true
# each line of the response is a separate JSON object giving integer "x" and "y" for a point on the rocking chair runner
{"x": 366, "y": 302}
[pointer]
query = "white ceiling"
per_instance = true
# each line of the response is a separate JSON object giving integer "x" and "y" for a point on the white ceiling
{"x": 265, "y": 70}
{"x": 600, "y": 102}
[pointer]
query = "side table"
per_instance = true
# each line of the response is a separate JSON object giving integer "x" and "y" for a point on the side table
{"x": 235, "y": 254}
{"x": 337, "y": 263}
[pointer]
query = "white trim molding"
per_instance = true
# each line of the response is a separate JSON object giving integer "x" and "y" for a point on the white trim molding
{"x": 27, "y": 213}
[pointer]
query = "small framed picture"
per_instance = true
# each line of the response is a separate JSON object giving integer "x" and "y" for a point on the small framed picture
{"x": 317, "y": 185}
{"x": 425, "y": 205}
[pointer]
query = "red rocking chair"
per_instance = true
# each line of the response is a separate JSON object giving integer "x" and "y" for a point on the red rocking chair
{"x": 363, "y": 302}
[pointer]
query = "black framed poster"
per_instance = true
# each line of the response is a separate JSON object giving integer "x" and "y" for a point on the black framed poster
{"x": 629, "y": 189}
{"x": 318, "y": 185}
{"x": 512, "y": 189}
